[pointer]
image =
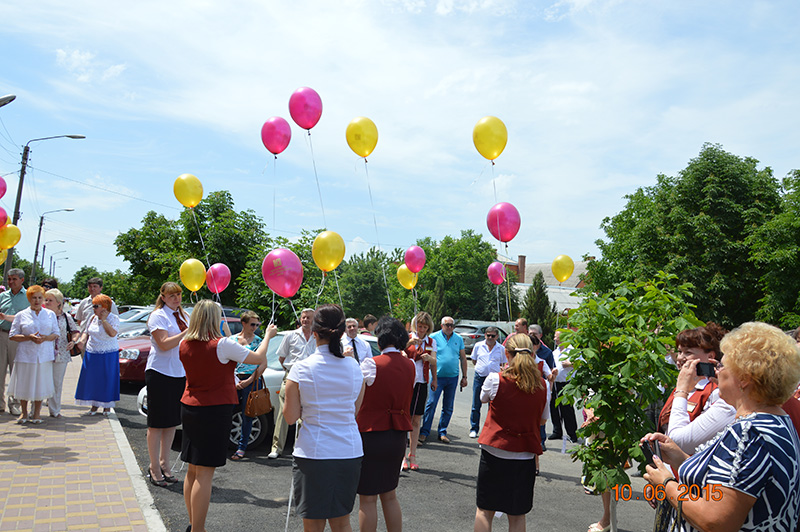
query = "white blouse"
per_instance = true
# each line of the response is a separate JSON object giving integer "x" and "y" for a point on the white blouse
{"x": 99, "y": 341}
{"x": 29, "y": 322}
{"x": 329, "y": 387}
{"x": 165, "y": 362}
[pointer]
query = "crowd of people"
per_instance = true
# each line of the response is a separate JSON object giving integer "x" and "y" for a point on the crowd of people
{"x": 730, "y": 426}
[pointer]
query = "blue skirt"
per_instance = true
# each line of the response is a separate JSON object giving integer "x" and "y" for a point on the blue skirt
{"x": 98, "y": 384}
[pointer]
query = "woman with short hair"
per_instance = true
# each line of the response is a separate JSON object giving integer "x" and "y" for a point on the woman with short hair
{"x": 325, "y": 389}
{"x": 247, "y": 375}
{"x": 208, "y": 401}
{"x": 748, "y": 476}
{"x": 98, "y": 384}
{"x": 422, "y": 350}
{"x": 384, "y": 422}
{"x": 165, "y": 379}
{"x": 510, "y": 440}
{"x": 35, "y": 329}
{"x": 68, "y": 333}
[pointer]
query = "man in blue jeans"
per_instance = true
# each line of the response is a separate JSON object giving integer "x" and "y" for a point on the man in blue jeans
{"x": 450, "y": 355}
{"x": 487, "y": 357}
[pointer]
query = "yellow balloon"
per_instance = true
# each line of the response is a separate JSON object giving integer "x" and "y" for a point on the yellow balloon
{"x": 562, "y": 268}
{"x": 328, "y": 250}
{"x": 193, "y": 274}
{"x": 490, "y": 136}
{"x": 188, "y": 190}
{"x": 3, "y": 256}
{"x": 407, "y": 278}
{"x": 362, "y": 136}
{"x": 9, "y": 236}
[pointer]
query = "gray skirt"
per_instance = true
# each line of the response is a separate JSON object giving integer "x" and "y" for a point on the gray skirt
{"x": 325, "y": 489}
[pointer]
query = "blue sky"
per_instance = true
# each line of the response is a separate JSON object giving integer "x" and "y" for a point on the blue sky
{"x": 598, "y": 97}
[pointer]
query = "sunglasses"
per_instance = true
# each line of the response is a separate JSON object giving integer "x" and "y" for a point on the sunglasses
{"x": 254, "y": 324}
{"x": 448, "y": 324}
{"x": 491, "y": 336}
{"x": 95, "y": 306}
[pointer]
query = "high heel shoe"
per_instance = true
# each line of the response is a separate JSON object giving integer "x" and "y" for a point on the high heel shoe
{"x": 169, "y": 478}
{"x": 156, "y": 482}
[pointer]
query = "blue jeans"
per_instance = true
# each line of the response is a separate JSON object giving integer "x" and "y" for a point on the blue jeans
{"x": 247, "y": 422}
{"x": 475, "y": 415}
{"x": 447, "y": 385}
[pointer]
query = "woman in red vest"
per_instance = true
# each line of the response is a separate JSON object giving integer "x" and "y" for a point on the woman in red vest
{"x": 208, "y": 401}
{"x": 384, "y": 421}
{"x": 694, "y": 412}
{"x": 510, "y": 439}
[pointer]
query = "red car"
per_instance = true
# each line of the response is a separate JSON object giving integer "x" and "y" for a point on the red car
{"x": 133, "y": 352}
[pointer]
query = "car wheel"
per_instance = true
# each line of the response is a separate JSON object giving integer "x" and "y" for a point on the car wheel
{"x": 262, "y": 427}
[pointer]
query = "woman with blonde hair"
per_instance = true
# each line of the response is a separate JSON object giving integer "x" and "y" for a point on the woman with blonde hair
{"x": 422, "y": 350}
{"x": 68, "y": 333}
{"x": 518, "y": 400}
{"x": 748, "y": 476}
{"x": 165, "y": 379}
{"x": 35, "y": 329}
{"x": 98, "y": 384}
{"x": 208, "y": 401}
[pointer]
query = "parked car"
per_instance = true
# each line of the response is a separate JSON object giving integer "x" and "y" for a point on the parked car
{"x": 472, "y": 334}
{"x": 134, "y": 341}
{"x": 272, "y": 378}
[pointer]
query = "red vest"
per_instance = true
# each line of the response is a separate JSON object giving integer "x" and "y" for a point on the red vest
{"x": 208, "y": 381}
{"x": 696, "y": 403}
{"x": 415, "y": 352}
{"x": 386, "y": 402}
{"x": 514, "y": 417}
{"x": 792, "y": 407}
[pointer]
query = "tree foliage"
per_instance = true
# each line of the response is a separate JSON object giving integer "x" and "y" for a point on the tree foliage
{"x": 619, "y": 337}
{"x": 699, "y": 226}
{"x": 537, "y": 308}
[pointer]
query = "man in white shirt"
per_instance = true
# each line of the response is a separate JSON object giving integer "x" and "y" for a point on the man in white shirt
{"x": 487, "y": 357}
{"x": 361, "y": 349}
{"x": 564, "y": 412}
{"x": 296, "y": 345}
{"x": 85, "y": 310}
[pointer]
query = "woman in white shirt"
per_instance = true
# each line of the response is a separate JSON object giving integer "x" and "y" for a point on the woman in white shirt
{"x": 34, "y": 328}
{"x": 165, "y": 379}
{"x": 98, "y": 384}
{"x": 326, "y": 389}
{"x": 68, "y": 333}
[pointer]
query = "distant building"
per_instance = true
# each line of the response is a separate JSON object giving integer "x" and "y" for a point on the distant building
{"x": 558, "y": 293}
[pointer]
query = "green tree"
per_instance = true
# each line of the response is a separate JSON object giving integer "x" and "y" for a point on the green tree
{"x": 436, "y": 305}
{"x": 776, "y": 252}
{"x": 696, "y": 225}
{"x": 76, "y": 288}
{"x": 537, "y": 308}
{"x": 620, "y": 336}
{"x": 362, "y": 284}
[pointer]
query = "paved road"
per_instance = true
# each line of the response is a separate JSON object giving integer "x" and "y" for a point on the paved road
{"x": 252, "y": 495}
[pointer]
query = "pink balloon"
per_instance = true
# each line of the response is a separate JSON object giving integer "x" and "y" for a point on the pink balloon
{"x": 276, "y": 134}
{"x": 3, "y": 217}
{"x": 283, "y": 272}
{"x": 503, "y": 221}
{"x": 2, "y": 187}
{"x": 218, "y": 277}
{"x": 305, "y": 106}
{"x": 415, "y": 259}
{"x": 496, "y": 273}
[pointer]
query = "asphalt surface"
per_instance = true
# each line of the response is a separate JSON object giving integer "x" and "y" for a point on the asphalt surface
{"x": 252, "y": 495}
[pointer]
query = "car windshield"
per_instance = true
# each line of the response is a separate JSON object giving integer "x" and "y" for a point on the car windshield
{"x": 465, "y": 329}
{"x": 128, "y": 314}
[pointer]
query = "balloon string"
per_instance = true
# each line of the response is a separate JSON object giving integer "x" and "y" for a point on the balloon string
{"x": 296, "y": 317}
{"x": 494, "y": 186}
{"x": 497, "y": 294}
{"x": 274, "y": 188}
{"x": 316, "y": 177}
{"x": 508, "y": 287}
{"x": 272, "y": 317}
{"x": 377, "y": 236}
{"x": 479, "y": 176}
{"x": 336, "y": 278}
{"x": 321, "y": 287}
{"x": 414, "y": 293}
{"x": 205, "y": 252}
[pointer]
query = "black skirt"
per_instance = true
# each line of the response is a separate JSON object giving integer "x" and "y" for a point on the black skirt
{"x": 325, "y": 489}
{"x": 419, "y": 398}
{"x": 206, "y": 432}
{"x": 383, "y": 455}
{"x": 505, "y": 485}
{"x": 163, "y": 399}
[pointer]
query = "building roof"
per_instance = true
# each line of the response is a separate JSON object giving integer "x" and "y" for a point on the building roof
{"x": 546, "y": 268}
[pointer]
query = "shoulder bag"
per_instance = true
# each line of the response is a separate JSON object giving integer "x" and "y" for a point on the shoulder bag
{"x": 75, "y": 351}
{"x": 258, "y": 402}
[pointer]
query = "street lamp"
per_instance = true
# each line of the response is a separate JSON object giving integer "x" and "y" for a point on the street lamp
{"x": 53, "y": 261}
{"x": 5, "y": 100}
{"x": 25, "y": 152}
{"x": 38, "y": 237}
{"x": 44, "y": 250}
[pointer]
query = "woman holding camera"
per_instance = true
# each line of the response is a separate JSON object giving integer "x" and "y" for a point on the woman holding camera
{"x": 694, "y": 412}
{"x": 748, "y": 477}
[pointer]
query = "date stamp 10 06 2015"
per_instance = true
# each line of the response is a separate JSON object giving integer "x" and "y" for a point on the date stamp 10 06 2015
{"x": 686, "y": 492}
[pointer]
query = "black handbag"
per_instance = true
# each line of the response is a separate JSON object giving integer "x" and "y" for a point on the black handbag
{"x": 75, "y": 351}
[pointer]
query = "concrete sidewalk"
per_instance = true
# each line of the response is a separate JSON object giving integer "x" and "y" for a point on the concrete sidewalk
{"x": 72, "y": 473}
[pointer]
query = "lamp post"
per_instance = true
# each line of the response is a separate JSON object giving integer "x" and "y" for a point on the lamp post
{"x": 53, "y": 261}
{"x": 38, "y": 238}
{"x": 25, "y": 152}
{"x": 44, "y": 251}
{"x": 4, "y": 100}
